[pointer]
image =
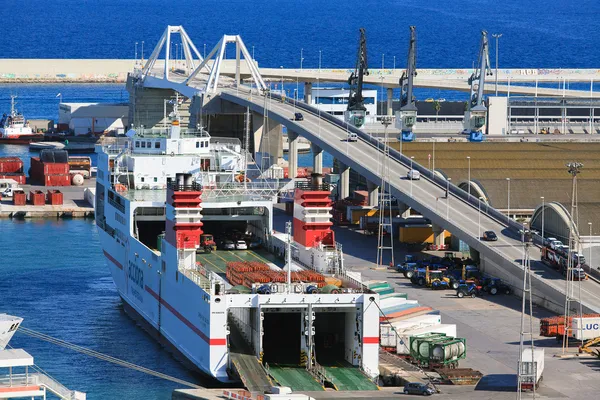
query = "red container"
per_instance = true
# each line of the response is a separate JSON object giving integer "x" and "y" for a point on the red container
{"x": 39, "y": 169}
{"x": 55, "y": 197}
{"x": 11, "y": 165}
{"x": 19, "y": 198}
{"x": 37, "y": 198}
{"x": 57, "y": 180}
{"x": 19, "y": 178}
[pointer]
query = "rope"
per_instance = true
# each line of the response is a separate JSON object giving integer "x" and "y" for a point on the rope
{"x": 104, "y": 357}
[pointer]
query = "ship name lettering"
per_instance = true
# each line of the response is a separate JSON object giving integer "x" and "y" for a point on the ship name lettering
{"x": 136, "y": 274}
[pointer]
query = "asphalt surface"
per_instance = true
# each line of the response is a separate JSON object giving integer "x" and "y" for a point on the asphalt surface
{"x": 453, "y": 214}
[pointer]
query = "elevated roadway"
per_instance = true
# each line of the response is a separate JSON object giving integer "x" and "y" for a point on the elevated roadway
{"x": 460, "y": 214}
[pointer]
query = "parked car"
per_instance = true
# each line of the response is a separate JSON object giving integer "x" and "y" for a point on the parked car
{"x": 241, "y": 245}
{"x": 352, "y": 137}
{"x": 490, "y": 236}
{"x": 227, "y": 245}
{"x": 298, "y": 117}
{"x": 255, "y": 243}
{"x": 413, "y": 174}
{"x": 418, "y": 388}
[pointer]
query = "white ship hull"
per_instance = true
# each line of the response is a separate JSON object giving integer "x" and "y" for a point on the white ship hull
{"x": 183, "y": 321}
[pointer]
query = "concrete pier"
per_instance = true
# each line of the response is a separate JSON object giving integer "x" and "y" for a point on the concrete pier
{"x": 293, "y": 154}
{"x": 317, "y": 159}
{"x": 390, "y": 97}
{"x": 373, "y": 190}
{"x": 307, "y": 92}
{"x": 344, "y": 183}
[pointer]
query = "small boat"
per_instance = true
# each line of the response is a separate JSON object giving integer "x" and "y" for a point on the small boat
{"x": 14, "y": 129}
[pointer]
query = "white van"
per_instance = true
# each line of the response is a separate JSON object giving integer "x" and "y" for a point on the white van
{"x": 7, "y": 187}
{"x": 413, "y": 174}
{"x": 352, "y": 137}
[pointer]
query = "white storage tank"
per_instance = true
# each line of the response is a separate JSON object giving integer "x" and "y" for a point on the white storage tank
{"x": 403, "y": 340}
{"x": 586, "y": 328}
{"x": 387, "y": 335}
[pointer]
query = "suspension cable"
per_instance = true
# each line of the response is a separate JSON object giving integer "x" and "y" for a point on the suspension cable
{"x": 104, "y": 357}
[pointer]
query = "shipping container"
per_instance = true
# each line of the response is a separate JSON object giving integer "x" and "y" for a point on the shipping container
{"x": 404, "y": 314}
{"x": 21, "y": 179}
{"x": 55, "y": 197}
{"x": 19, "y": 198}
{"x": 388, "y": 330}
{"x": 533, "y": 369}
{"x": 40, "y": 169}
{"x": 398, "y": 307}
{"x": 586, "y": 328}
{"x": 420, "y": 346}
{"x": 446, "y": 353}
{"x": 57, "y": 180}
{"x": 11, "y": 165}
{"x": 403, "y": 344}
{"x": 37, "y": 198}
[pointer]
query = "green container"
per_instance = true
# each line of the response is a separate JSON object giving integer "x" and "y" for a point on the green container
{"x": 449, "y": 352}
{"x": 424, "y": 340}
{"x": 393, "y": 295}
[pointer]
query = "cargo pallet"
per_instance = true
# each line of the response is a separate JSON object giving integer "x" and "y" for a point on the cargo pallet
{"x": 459, "y": 376}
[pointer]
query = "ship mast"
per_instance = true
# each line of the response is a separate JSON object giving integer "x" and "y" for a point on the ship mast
{"x": 13, "y": 111}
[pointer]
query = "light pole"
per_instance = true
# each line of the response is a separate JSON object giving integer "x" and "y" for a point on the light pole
{"x": 136, "y": 52}
{"x": 448, "y": 199}
{"x": 301, "y": 58}
{"x": 479, "y": 217}
{"x": 411, "y": 174}
{"x": 543, "y": 206}
{"x": 142, "y": 51}
{"x": 469, "y": 176}
{"x": 320, "y": 54}
{"x": 590, "y": 224}
{"x": 394, "y": 65}
{"x": 508, "y": 199}
{"x": 253, "y": 53}
{"x": 205, "y": 51}
{"x": 282, "y": 91}
{"x": 382, "y": 66}
{"x": 496, "y": 36}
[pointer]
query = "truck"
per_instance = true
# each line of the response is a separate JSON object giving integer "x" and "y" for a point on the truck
{"x": 585, "y": 328}
{"x": 557, "y": 257}
{"x": 207, "y": 243}
{"x": 7, "y": 187}
{"x": 532, "y": 368}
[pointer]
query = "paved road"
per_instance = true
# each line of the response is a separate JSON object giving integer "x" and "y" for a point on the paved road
{"x": 453, "y": 214}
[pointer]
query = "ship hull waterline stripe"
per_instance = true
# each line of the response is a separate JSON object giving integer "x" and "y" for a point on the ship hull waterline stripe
{"x": 211, "y": 342}
{"x": 112, "y": 259}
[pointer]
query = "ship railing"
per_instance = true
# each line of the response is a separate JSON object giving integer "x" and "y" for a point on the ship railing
{"x": 219, "y": 143}
{"x": 17, "y": 380}
{"x": 249, "y": 190}
{"x": 185, "y": 133}
{"x": 197, "y": 277}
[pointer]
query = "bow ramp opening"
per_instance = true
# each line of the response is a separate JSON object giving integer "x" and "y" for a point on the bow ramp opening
{"x": 308, "y": 342}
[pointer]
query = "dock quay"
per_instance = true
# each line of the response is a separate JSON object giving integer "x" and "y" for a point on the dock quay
{"x": 77, "y": 203}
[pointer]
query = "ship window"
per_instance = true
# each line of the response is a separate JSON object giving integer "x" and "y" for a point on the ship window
{"x": 149, "y": 145}
{"x": 164, "y": 266}
{"x": 206, "y": 143}
{"x": 157, "y": 145}
{"x": 197, "y": 144}
{"x": 155, "y": 179}
{"x": 137, "y": 143}
{"x": 144, "y": 145}
{"x": 142, "y": 179}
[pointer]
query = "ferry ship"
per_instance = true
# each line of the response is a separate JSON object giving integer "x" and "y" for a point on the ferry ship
{"x": 158, "y": 191}
{"x": 14, "y": 129}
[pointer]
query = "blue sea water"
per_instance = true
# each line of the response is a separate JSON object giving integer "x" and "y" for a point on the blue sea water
{"x": 53, "y": 272}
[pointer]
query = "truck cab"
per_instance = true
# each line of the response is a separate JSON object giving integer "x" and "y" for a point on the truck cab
{"x": 7, "y": 187}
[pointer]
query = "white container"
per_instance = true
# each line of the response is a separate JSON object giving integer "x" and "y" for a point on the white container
{"x": 387, "y": 336}
{"x": 535, "y": 368}
{"x": 586, "y": 328}
{"x": 403, "y": 340}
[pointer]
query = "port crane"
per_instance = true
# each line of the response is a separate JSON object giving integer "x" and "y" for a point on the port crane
{"x": 407, "y": 116}
{"x": 356, "y": 111}
{"x": 476, "y": 111}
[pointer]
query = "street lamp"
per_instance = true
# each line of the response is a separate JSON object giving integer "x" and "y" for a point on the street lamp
{"x": 136, "y": 52}
{"x": 205, "y": 51}
{"x": 394, "y": 65}
{"x": 320, "y": 53}
{"x": 301, "y": 58}
{"x": 448, "y": 198}
{"x": 590, "y": 224}
{"x": 496, "y": 36}
{"x": 508, "y": 198}
{"x": 469, "y": 176}
{"x": 479, "y": 217}
{"x": 543, "y": 206}
{"x": 411, "y": 175}
{"x": 142, "y": 51}
{"x": 282, "y": 91}
{"x": 253, "y": 53}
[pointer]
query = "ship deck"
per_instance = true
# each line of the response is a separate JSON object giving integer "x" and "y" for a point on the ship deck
{"x": 216, "y": 261}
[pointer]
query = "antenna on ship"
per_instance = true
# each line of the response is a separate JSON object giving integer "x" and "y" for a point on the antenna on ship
{"x": 13, "y": 110}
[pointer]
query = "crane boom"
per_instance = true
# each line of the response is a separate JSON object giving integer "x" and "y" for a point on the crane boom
{"x": 356, "y": 110}
{"x": 407, "y": 116}
{"x": 475, "y": 115}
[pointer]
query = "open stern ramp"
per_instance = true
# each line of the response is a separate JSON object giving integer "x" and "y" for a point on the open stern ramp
{"x": 291, "y": 334}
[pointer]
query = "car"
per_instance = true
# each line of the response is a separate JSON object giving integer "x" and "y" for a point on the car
{"x": 298, "y": 117}
{"x": 227, "y": 245}
{"x": 413, "y": 175}
{"x": 578, "y": 274}
{"x": 441, "y": 100}
{"x": 418, "y": 388}
{"x": 255, "y": 243}
{"x": 429, "y": 100}
{"x": 352, "y": 137}
{"x": 490, "y": 236}
{"x": 241, "y": 245}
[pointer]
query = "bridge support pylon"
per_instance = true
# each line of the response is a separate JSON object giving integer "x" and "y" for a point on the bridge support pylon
{"x": 317, "y": 159}
{"x": 307, "y": 92}
{"x": 293, "y": 154}
{"x": 390, "y": 98}
{"x": 344, "y": 183}
{"x": 438, "y": 235}
{"x": 373, "y": 191}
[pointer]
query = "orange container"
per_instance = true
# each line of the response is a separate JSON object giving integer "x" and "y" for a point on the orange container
{"x": 37, "y": 198}
{"x": 55, "y": 197}
{"x": 19, "y": 198}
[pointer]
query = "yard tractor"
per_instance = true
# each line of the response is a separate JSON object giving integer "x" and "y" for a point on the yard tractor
{"x": 207, "y": 243}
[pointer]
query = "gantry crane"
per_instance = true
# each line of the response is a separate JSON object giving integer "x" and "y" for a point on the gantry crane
{"x": 407, "y": 116}
{"x": 476, "y": 111}
{"x": 356, "y": 111}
